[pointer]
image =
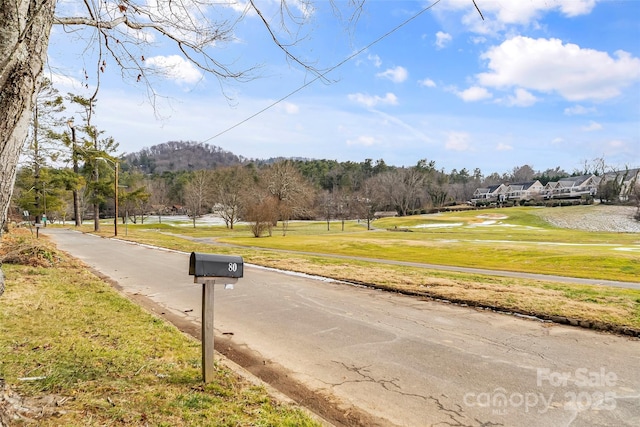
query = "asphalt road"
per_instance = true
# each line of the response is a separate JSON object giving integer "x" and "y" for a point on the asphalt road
{"x": 364, "y": 357}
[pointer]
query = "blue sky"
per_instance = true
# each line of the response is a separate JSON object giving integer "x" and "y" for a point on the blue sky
{"x": 540, "y": 82}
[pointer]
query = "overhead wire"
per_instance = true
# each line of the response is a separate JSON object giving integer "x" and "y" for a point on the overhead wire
{"x": 323, "y": 74}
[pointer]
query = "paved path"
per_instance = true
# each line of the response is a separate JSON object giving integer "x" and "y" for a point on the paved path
{"x": 470, "y": 270}
{"x": 369, "y": 357}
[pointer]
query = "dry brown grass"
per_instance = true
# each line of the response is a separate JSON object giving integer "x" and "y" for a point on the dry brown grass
{"x": 75, "y": 352}
{"x": 591, "y": 304}
{"x": 21, "y": 247}
{"x": 600, "y": 307}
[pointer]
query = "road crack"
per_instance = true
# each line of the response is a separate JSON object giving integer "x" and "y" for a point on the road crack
{"x": 456, "y": 416}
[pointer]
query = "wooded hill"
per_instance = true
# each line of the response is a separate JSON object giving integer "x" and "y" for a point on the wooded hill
{"x": 174, "y": 156}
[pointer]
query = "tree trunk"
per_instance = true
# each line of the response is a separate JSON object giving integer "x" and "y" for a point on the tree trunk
{"x": 24, "y": 37}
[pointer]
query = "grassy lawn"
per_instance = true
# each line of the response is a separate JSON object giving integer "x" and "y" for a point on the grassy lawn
{"x": 109, "y": 362}
{"x": 79, "y": 342}
{"x": 514, "y": 239}
{"x": 522, "y": 242}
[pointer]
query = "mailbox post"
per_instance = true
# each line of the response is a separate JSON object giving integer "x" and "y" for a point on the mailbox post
{"x": 209, "y": 270}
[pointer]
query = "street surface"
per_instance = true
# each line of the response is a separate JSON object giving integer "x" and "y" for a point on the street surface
{"x": 359, "y": 356}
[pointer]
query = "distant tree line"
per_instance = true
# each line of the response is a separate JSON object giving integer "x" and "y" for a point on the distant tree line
{"x": 69, "y": 173}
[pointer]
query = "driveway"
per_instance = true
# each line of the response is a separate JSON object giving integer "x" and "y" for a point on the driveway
{"x": 359, "y": 356}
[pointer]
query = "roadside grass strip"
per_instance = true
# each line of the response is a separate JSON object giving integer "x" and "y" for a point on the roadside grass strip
{"x": 531, "y": 245}
{"x": 67, "y": 337}
{"x": 601, "y": 307}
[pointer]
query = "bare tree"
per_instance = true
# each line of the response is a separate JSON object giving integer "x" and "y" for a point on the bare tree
{"x": 367, "y": 202}
{"x": 259, "y": 208}
{"x": 197, "y": 194}
{"x": 121, "y": 35}
{"x": 400, "y": 189}
{"x": 438, "y": 189}
{"x": 159, "y": 196}
{"x": 635, "y": 197}
{"x": 24, "y": 38}
{"x": 291, "y": 191}
{"x": 345, "y": 206}
{"x": 228, "y": 185}
{"x": 522, "y": 173}
{"x": 325, "y": 204}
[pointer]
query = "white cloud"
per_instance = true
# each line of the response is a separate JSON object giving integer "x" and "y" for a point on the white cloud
{"x": 416, "y": 133}
{"x": 186, "y": 16}
{"x": 176, "y": 67}
{"x": 504, "y": 147}
{"x": 427, "y": 83}
{"x": 305, "y": 7}
{"x": 576, "y": 8}
{"x": 548, "y": 65}
{"x": 65, "y": 82}
{"x": 623, "y": 150}
{"x": 521, "y": 98}
{"x": 288, "y": 107}
{"x": 474, "y": 93}
{"x": 143, "y": 36}
{"x": 237, "y": 5}
{"x": 241, "y": 6}
{"x": 615, "y": 144}
{"x": 377, "y": 62}
{"x": 363, "y": 141}
{"x": 593, "y": 126}
{"x": 500, "y": 13}
{"x": 442, "y": 39}
{"x": 557, "y": 140}
{"x": 396, "y": 75}
{"x": 457, "y": 141}
{"x": 578, "y": 110}
{"x": 371, "y": 101}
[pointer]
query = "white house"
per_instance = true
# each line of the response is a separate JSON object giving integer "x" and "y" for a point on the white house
{"x": 574, "y": 187}
{"x": 524, "y": 190}
{"x": 488, "y": 194}
{"x": 627, "y": 180}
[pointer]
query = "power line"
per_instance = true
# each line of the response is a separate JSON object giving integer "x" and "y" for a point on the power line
{"x": 322, "y": 75}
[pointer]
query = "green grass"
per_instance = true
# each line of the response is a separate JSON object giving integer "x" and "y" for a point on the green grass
{"x": 117, "y": 364}
{"x": 121, "y": 365}
{"x": 523, "y": 242}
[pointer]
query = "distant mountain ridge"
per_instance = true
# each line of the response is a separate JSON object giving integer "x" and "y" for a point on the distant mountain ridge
{"x": 176, "y": 156}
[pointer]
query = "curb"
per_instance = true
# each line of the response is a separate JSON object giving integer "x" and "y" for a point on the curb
{"x": 562, "y": 320}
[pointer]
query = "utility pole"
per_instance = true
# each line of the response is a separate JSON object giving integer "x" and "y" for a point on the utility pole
{"x": 96, "y": 206}
{"x": 115, "y": 191}
{"x": 74, "y": 156}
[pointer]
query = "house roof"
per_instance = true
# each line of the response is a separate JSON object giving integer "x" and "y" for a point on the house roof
{"x": 574, "y": 180}
{"x": 488, "y": 190}
{"x": 625, "y": 176}
{"x": 523, "y": 185}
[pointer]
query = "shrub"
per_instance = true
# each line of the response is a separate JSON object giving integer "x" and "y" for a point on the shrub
{"x": 22, "y": 248}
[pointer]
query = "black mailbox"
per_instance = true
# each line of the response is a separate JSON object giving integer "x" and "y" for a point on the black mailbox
{"x": 209, "y": 270}
{"x": 212, "y": 265}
